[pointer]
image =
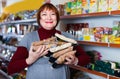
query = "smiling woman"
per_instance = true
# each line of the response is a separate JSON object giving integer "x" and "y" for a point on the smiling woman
{"x": 39, "y": 66}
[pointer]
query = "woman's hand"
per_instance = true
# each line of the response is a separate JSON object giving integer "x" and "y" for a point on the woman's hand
{"x": 34, "y": 55}
{"x": 72, "y": 59}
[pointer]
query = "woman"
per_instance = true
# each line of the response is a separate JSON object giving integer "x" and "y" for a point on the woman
{"x": 39, "y": 66}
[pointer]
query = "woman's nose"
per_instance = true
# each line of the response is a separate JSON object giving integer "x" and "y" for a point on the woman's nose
{"x": 49, "y": 17}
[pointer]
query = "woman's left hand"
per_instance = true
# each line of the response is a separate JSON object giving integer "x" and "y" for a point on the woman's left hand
{"x": 72, "y": 59}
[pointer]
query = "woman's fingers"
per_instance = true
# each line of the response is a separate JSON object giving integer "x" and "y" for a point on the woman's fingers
{"x": 40, "y": 49}
{"x": 70, "y": 59}
{"x": 45, "y": 52}
{"x": 34, "y": 55}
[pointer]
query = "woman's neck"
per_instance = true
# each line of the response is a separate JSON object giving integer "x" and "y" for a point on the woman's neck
{"x": 44, "y": 34}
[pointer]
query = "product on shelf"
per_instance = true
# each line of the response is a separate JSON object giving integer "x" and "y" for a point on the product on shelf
{"x": 94, "y": 55}
{"x": 109, "y": 67}
{"x": 93, "y": 6}
{"x": 68, "y": 8}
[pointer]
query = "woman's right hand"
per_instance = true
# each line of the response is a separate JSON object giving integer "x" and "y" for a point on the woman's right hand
{"x": 34, "y": 55}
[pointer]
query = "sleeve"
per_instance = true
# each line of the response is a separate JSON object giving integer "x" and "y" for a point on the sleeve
{"x": 83, "y": 58}
{"x": 18, "y": 61}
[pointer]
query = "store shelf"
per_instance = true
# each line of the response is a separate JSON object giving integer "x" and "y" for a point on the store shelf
{"x": 116, "y": 12}
{"x": 107, "y": 13}
{"x": 89, "y": 71}
{"x": 5, "y": 74}
{"x": 85, "y": 15}
{"x": 93, "y": 43}
{"x": 97, "y": 14}
{"x": 93, "y": 72}
{"x": 99, "y": 44}
{"x": 19, "y": 21}
{"x": 114, "y": 45}
{"x": 3, "y": 58}
{"x": 113, "y": 77}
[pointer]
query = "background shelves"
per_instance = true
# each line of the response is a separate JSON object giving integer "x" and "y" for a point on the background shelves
{"x": 2, "y": 57}
{"x": 19, "y": 21}
{"x": 5, "y": 74}
{"x": 93, "y": 43}
{"x": 93, "y": 72}
{"x": 113, "y": 77}
{"x": 107, "y": 13}
{"x": 89, "y": 71}
{"x": 116, "y": 12}
{"x": 99, "y": 44}
{"x": 85, "y": 15}
{"x": 114, "y": 45}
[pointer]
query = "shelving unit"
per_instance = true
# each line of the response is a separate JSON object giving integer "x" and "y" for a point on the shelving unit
{"x": 13, "y": 48}
{"x": 97, "y": 14}
{"x": 114, "y": 45}
{"x": 5, "y": 74}
{"x": 19, "y": 21}
{"x": 107, "y": 13}
{"x": 116, "y": 12}
{"x": 93, "y": 72}
{"x": 2, "y": 57}
{"x": 93, "y": 43}
{"x": 99, "y": 44}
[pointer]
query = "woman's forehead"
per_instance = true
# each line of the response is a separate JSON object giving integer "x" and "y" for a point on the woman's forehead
{"x": 48, "y": 10}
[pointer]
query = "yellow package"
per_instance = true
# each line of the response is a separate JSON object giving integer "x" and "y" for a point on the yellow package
{"x": 113, "y": 5}
{"x": 103, "y": 5}
{"x": 93, "y": 7}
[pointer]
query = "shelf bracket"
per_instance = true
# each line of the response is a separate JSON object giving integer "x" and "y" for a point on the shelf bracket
{"x": 108, "y": 76}
{"x": 109, "y": 13}
{"x": 108, "y": 44}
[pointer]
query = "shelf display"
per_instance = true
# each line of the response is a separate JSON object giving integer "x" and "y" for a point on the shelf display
{"x": 95, "y": 14}
{"x": 11, "y": 33}
{"x": 19, "y": 22}
{"x": 93, "y": 43}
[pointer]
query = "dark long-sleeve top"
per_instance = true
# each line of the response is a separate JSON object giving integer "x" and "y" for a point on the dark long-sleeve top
{"x": 18, "y": 61}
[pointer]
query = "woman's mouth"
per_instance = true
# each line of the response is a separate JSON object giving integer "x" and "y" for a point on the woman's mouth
{"x": 49, "y": 22}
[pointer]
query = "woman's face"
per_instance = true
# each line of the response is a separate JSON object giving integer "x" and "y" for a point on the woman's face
{"x": 48, "y": 19}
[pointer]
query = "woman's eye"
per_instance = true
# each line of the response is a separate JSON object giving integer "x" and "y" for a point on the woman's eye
{"x": 43, "y": 14}
{"x": 53, "y": 14}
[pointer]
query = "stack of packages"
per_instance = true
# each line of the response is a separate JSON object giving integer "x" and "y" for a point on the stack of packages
{"x": 59, "y": 47}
